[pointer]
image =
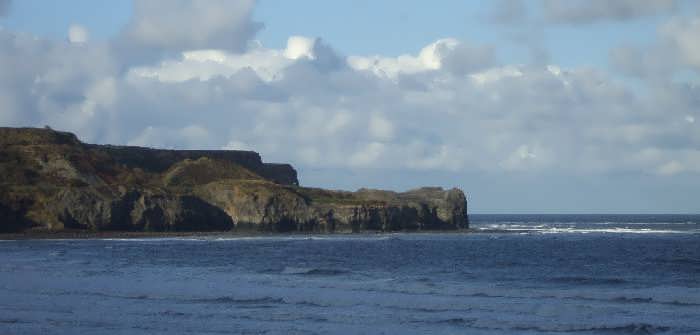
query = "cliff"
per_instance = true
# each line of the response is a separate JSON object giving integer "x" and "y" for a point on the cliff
{"x": 52, "y": 181}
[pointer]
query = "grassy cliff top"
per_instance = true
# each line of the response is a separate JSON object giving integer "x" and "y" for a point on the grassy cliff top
{"x": 35, "y": 136}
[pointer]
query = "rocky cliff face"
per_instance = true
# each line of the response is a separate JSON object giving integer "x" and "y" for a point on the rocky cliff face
{"x": 52, "y": 181}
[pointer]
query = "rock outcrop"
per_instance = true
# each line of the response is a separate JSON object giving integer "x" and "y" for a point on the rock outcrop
{"x": 52, "y": 181}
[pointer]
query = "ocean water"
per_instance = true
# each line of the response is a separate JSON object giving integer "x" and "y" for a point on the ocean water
{"x": 514, "y": 274}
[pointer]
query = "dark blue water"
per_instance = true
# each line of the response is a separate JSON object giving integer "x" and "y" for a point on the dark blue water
{"x": 515, "y": 275}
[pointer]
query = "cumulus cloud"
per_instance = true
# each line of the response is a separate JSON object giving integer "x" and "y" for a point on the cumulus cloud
{"x": 671, "y": 168}
{"x": 57, "y": 83}
{"x": 265, "y": 64}
{"x": 299, "y": 46}
{"x": 577, "y": 120}
{"x": 645, "y": 62}
{"x": 526, "y": 157}
{"x": 77, "y": 34}
{"x": 380, "y": 127}
{"x": 684, "y": 34}
{"x": 193, "y": 135}
{"x": 448, "y": 54}
{"x": 674, "y": 50}
{"x": 447, "y": 107}
{"x": 167, "y": 27}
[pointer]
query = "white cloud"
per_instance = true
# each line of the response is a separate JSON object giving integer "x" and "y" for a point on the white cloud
{"x": 496, "y": 74}
{"x": 674, "y": 51}
{"x": 443, "y": 52}
{"x": 236, "y": 145}
{"x": 163, "y": 27}
{"x": 205, "y": 64}
{"x": 448, "y": 107}
{"x": 671, "y": 168}
{"x": 367, "y": 155}
{"x": 268, "y": 64}
{"x": 188, "y": 137}
{"x": 338, "y": 122}
{"x": 310, "y": 155}
{"x": 684, "y": 33}
{"x": 299, "y": 46}
{"x": 147, "y": 137}
{"x": 423, "y": 156}
{"x": 195, "y": 134}
{"x": 525, "y": 157}
{"x": 380, "y": 127}
{"x": 77, "y": 34}
{"x": 651, "y": 62}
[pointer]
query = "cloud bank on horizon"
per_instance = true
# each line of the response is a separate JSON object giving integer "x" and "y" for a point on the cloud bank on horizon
{"x": 190, "y": 74}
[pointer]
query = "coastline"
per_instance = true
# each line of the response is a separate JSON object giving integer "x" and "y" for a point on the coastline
{"x": 89, "y": 235}
{"x": 53, "y": 181}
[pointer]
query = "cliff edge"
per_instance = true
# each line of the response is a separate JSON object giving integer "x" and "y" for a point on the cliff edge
{"x": 52, "y": 181}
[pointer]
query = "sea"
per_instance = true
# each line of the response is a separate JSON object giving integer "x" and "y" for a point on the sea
{"x": 510, "y": 274}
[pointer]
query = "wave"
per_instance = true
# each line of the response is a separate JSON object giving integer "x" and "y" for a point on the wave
{"x": 676, "y": 260}
{"x": 587, "y": 280}
{"x": 312, "y": 271}
{"x": 99, "y": 294}
{"x": 644, "y": 300}
{"x": 594, "y": 223}
{"x": 464, "y": 322}
{"x": 617, "y": 299}
{"x": 240, "y": 301}
{"x": 581, "y": 228}
{"x": 261, "y": 302}
{"x": 422, "y": 309}
{"x": 630, "y": 328}
{"x": 13, "y": 321}
{"x": 632, "y": 300}
{"x": 627, "y": 328}
{"x": 257, "y": 301}
{"x": 174, "y": 314}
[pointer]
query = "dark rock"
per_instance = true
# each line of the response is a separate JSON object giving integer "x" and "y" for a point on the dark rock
{"x": 13, "y": 220}
{"x": 181, "y": 213}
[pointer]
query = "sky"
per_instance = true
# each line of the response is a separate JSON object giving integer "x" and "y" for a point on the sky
{"x": 532, "y": 106}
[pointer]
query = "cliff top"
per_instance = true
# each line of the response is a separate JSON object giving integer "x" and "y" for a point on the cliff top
{"x": 45, "y": 141}
{"x": 35, "y": 136}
